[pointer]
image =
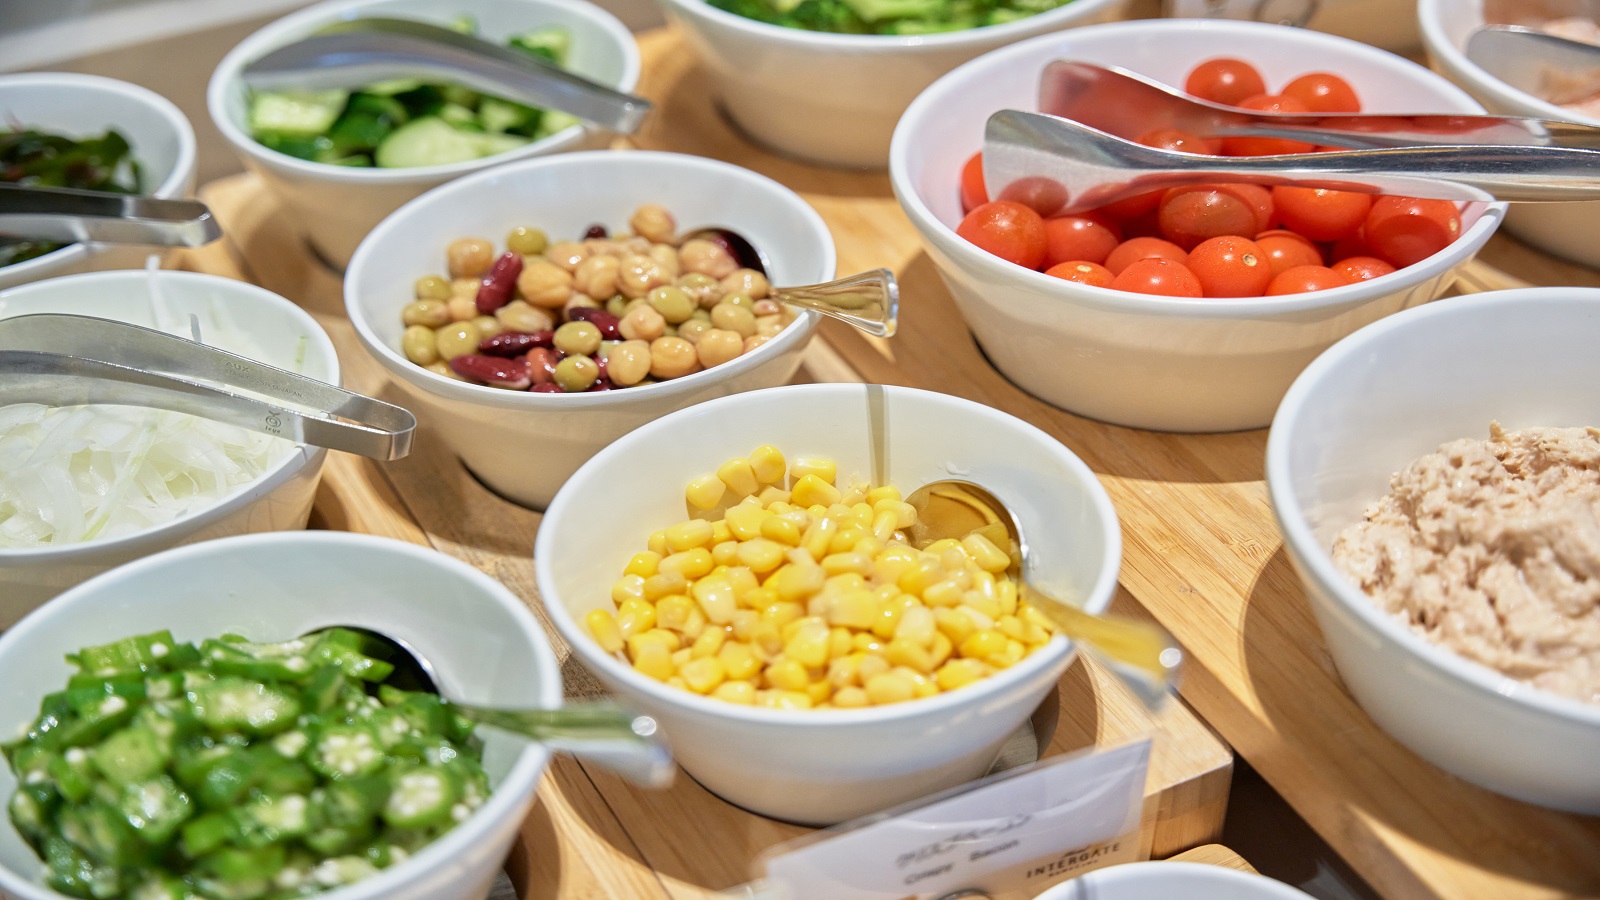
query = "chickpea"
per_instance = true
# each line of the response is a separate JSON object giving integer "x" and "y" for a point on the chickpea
{"x": 767, "y": 308}
{"x": 566, "y": 254}
{"x": 674, "y": 304}
{"x": 693, "y": 329}
{"x": 488, "y": 326}
{"x": 639, "y": 274}
{"x": 432, "y": 287}
{"x": 617, "y": 306}
{"x": 578, "y": 338}
{"x": 457, "y": 339}
{"x": 653, "y": 222}
{"x": 576, "y": 373}
{"x": 527, "y": 241}
{"x": 673, "y": 357}
{"x": 465, "y": 287}
{"x": 754, "y": 341}
{"x": 707, "y": 258}
{"x": 597, "y": 276}
{"x": 431, "y": 313}
{"x": 628, "y": 363}
{"x": 593, "y": 247}
{"x": 748, "y": 282}
{"x": 642, "y": 323}
{"x": 519, "y": 316}
{"x": 731, "y": 317}
{"x": 631, "y": 244}
{"x": 544, "y": 283}
{"x": 469, "y": 257}
{"x": 739, "y": 300}
{"x": 702, "y": 287}
{"x": 419, "y": 346}
{"x": 440, "y": 367}
{"x": 666, "y": 256}
{"x": 716, "y": 347}
{"x": 463, "y": 309}
{"x": 769, "y": 325}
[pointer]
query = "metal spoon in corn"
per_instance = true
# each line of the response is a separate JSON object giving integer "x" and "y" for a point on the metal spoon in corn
{"x": 1143, "y": 656}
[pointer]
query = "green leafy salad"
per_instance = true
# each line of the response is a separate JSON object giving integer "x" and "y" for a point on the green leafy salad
{"x": 37, "y": 159}
{"x": 886, "y": 16}
{"x": 399, "y": 124}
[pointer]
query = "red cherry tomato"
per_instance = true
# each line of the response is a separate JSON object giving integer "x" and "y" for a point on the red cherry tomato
{"x": 1078, "y": 237}
{"x": 1259, "y": 197}
{"x": 1255, "y": 146}
{"x": 1180, "y": 141}
{"x": 1134, "y": 207}
{"x": 973, "y": 193}
{"x": 1323, "y": 93}
{"x": 1362, "y": 268}
{"x": 1406, "y": 230}
{"x": 1224, "y": 80}
{"x": 1082, "y": 271}
{"x": 1158, "y": 276}
{"x": 1230, "y": 266}
{"x": 1009, "y": 230}
{"x": 1320, "y": 214}
{"x": 1190, "y": 214}
{"x": 1285, "y": 250}
{"x": 1302, "y": 279}
{"x": 1132, "y": 250}
{"x": 1354, "y": 245}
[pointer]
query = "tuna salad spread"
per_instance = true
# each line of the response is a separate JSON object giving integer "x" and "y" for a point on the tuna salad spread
{"x": 1492, "y": 550}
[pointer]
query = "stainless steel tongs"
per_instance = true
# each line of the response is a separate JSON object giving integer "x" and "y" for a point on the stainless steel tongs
{"x": 69, "y": 360}
{"x": 64, "y": 214}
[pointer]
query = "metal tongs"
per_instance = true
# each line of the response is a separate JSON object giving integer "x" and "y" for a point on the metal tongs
{"x": 364, "y": 50}
{"x": 69, "y": 360}
{"x": 74, "y": 216}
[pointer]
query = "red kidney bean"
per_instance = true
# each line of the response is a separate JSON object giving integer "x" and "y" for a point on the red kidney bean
{"x": 515, "y": 343}
{"x": 599, "y": 318}
{"x": 604, "y": 384}
{"x": 515, "y": 374}
{"x": 495, "y": 291}
{"x": 542, "y": 361}
{"x": 547, "y": 387}
{"x": 595, "y": 232}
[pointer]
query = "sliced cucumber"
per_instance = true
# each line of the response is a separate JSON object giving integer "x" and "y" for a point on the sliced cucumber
{"x": 431, "y": 141}
{"x": 304, "y": 113}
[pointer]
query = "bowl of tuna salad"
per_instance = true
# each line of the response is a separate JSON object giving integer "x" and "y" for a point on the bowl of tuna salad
{"x": 1436, "y": 477}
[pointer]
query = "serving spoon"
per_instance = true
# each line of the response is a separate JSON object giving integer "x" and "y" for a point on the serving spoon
{"x": 1060, "y": 166}
{"x": 1553, "y": 68}
{"x": 1143, "y": 656}
{"x": 625, "y": 742}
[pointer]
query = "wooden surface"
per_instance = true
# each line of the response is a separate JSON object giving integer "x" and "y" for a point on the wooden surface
{"x": 1214, "y": 855}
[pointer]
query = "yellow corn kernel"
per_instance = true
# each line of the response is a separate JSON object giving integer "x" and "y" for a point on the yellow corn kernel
{"x": 653, "y": 660}
{"x": 850, "y": 698}
{"x": 796, "y": 582}
{"x": 916, "y": 625}
{"x": 672, "y": 612}
{"x": 889, "y": 613}
{"x": 846, "y": 538}
{"x": 977, "y": 602}
{"x": 817, "y": 511}
{"x": 818, "y": 536}
{"x": 811, "y": 489}
{"x": 745, "y": 520}
{"x": 725, "y": 553}
{"x": 636, "y": 642}
{"x": 922, "y": 685}
{"x": 658, "y": 543}
{"x": 720, "y": 532}
{"x": 982, "y": 644}
{"x": 627, "y": 586}
{"x": 983, "y": 552}
{"x": 688, "y": 534}
{"x": 809, "y": 644}
{"x": 676, "y": 681}
{"x": 883, "y": 525}
{"x": 825, "y": 469}
{"x": 738, "y": 660}
{"x": 766, "y": 639}
{"x": 873, "y": 664}
{"x": 844, "y": 582}
{"x": 853, "y": 609}
{"x": 782, "y": 613}
{"x": 845, "y": 670}
{"x": 695, "y": 624}
{"x": 709, "y": 642}
{"x": 666, "y": 636}
{"x": 704, "y": 492}
{"x": 905, "y": 515}
{"x": 761, "y": 555}
{"x": 1010, "y": 626}
{"x": 839, "y": 643}
{"x": 925, "y": 573}
{"x": 766, "y": 463}
{"x": 855, "y": 493}
{"x": 692, "y": 563}
{"x": 889, "y": 565}
{"x": 739, "y": 477}
{"x": 954, "y": 624}
{"x": 819, "y": 692}
{"x": 784, "y": 531}
{"x": 635, "y": 616}
{"x": 772, "y": 494}
{"x": 758, "y": 598}
{"x": 1012, "y": 654}
{"x": 901, "y": 652}
{"x": 786, "y": 675}
{"x": 703, "y": 675}
{"x": 960, "y": 673}
{"x": 603, "y": 628}
{"x": 1005, "y": 594}
{"x": 643, "y": 564}
{"x": 714, "y": 595}
{"x": 783, "y": 699}
{"x": 663, "y": 584}
{"x": 943, "y": 594}
{"x": 890, "y": 687}
{"x": 1033, "y": 616}
{"x": 941, "y": 649}
{"x": 953, "y": 555}
{"x": 866, "y": 642}
{"x": 741, "y": 692}
{"x": 744, "y": 620}
{"x": 884, "y": 492}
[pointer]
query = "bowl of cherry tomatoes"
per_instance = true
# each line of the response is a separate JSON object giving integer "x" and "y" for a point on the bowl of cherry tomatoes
{"x": 1190, "y": 309}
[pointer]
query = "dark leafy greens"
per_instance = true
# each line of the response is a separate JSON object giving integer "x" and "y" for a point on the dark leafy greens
{"x": 38, "y": 159}
{"x": 894, "y": 17}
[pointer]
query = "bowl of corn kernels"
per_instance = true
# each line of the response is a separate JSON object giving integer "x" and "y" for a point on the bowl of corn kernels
{"x": 537, "y": 311}
{"x": 754, "y": 589}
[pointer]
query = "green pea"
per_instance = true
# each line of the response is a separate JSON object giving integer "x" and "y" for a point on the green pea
{"x": 576, "y": 373}
{"x": 673, "y": 303}
{"x": 578, "y": 338}
{"x": 432, "y": 287}
{"x": 527, "y": 241}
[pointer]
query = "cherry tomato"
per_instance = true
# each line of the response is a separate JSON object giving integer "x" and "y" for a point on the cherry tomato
{"x": 1158, "y": 276}
{"x": 1131, "y": 208}
{"x": 1082, "y": 271}
{"x": 1323, "y": 93}
{"x": 1302, "y": 279}
{"x": 1078, "y": 237}
{"x": 1405, "y": 230}
{"x": 1259, "y": 197}
{"x": 1132, "y": 250}
{"x": 1190, "y": 214}
{"x": 1321, "y": 214}
{"x": 1256, "y": 146}
{"x": 1224, "y": 80}
{"x": 1362, "y": 268}
{"x": 1009, "y": 230}
{"x": 1285, "y": 250}
{"x": 1180, "y": 141}
{"x": 973, "y": 193}
{"x": 1230, "y": 266}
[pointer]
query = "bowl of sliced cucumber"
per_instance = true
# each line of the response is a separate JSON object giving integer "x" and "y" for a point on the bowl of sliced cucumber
{"x": 340, "y": 160}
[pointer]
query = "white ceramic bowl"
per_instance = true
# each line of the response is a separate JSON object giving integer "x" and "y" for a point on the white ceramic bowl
{"x": 483, "y": 641}
{"x": 834, "y": 98}
{"x": 1166, "y": 363}
{"x": 825, "y": 766}
{"x": 1166, "y": 880}
{"x": 1377, "y": 400}
{"x": 524, "y": 445}
{"x": 84, "y": 106}
{"x": 233, "y": 315}
{"x": 1564, "y": 229}
{"x": 335, "y": 206}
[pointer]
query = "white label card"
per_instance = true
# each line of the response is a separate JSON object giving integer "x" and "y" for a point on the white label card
{"x": 1019, "y": 831}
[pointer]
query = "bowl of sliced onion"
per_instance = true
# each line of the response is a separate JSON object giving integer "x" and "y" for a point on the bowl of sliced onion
{"x": 86, "y": 488}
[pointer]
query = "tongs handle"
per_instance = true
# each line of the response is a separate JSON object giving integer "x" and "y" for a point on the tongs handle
{"x": 43, "y": 360}
{"x": 74, "y": 216}
{"x": 373, "y": 48}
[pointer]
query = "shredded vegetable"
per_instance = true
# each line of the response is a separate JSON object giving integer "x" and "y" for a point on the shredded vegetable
{"x": 82, "y": 473}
